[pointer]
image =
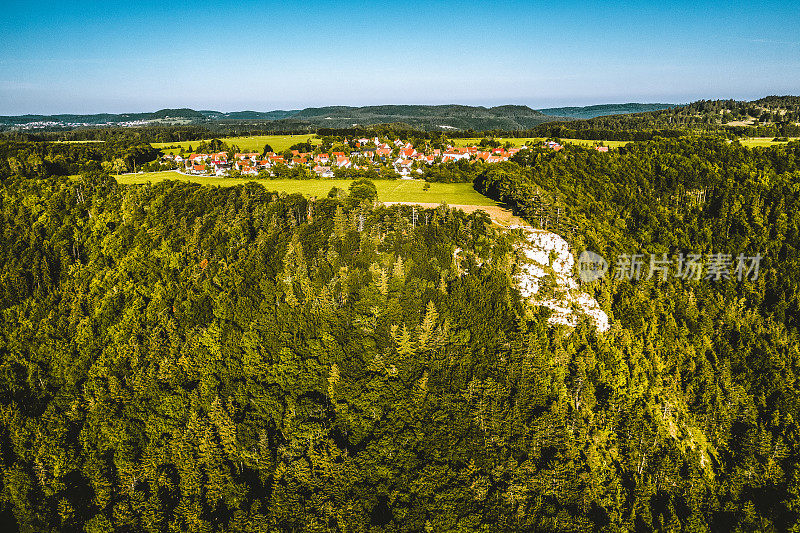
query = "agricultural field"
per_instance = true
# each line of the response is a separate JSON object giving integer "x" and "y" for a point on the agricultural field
{"x": 253, "y": 143}
{"x": 388, "y": 190}
{"x": 763, "y": 141}
{"x": 536, "y": 140}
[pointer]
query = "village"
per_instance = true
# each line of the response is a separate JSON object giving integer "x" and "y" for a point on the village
{"x": 403, "y": 158}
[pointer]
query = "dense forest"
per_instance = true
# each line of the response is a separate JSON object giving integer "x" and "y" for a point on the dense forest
{"x": 184, "y": 358}
{"x": 43, "y": 159}
{"x": 773, "y": 116}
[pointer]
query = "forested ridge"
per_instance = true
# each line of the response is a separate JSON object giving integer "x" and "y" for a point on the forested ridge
{"x": 185, "y": 358}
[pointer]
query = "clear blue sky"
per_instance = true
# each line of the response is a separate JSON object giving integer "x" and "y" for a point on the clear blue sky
{"x": 89, "y": 57}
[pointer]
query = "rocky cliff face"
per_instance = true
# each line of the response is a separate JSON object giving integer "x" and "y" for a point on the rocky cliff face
{"x": 547, "y": 278}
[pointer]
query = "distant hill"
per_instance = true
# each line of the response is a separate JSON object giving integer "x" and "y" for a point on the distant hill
{"x": 441, "y": 117}
{"x": 427, "y": 117}
{"x": 249, "y": 115}
{"x": 603, "y": 110}
{"x": 106, "y": 118}
{"x": 769, "y": 110}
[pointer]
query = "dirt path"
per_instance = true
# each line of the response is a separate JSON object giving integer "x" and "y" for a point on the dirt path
{"x": 499, "y": 215}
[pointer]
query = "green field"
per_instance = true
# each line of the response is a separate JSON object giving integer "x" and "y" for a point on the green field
{"x": 254, "y": 143}
{"x": 536, "y": 140}
{"x": 763, "y": 141}
{"x": 388, "y": 190}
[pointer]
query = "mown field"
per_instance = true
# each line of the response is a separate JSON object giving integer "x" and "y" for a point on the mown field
{"x": 388, "y": 190}
{"x": 536, "y": 140}
{"x": 253, "y": 143}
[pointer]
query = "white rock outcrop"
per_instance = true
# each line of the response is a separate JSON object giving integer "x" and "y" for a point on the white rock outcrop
{"x": 549, "y": 265}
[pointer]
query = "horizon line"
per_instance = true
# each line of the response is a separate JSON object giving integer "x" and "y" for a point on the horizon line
{"x": 289, "y": 109}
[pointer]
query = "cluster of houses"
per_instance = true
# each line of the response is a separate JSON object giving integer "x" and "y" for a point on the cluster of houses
{"x": 402, "y": 156}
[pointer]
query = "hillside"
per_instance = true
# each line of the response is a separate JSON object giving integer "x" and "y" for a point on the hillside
{"x": 425, "y": 117}
{"x": 773, "y": 116}
{"x": 442, "y": 117}
{"x": 249, "y": 115}
{"x": 104, "y": 118}
{"x": 602, "y": 110}
{"x": 769, "y": 116}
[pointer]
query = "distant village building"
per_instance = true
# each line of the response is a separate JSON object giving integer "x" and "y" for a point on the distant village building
{"x": 403, "y": 157}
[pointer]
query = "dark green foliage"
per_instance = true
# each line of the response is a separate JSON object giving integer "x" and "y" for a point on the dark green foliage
{"x": 462, "y": 171}
{"x": 177, "y": 357}
{"x": 362, "y": 190}
{"x": 304, "y": 147}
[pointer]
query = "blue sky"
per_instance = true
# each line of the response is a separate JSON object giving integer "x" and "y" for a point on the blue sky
{"x": 90, "y": 57}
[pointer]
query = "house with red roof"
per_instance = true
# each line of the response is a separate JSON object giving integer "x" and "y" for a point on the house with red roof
{"x": 196, "y": 158}
{"x": 454, "y": 155}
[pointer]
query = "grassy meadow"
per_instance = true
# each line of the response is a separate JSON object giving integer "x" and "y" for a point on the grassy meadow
{"x": 253, "y": 143}
{"x": 388, "y": 190}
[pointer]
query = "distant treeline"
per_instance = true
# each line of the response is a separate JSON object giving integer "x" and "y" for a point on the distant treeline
{"x": 775, "y": 116}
